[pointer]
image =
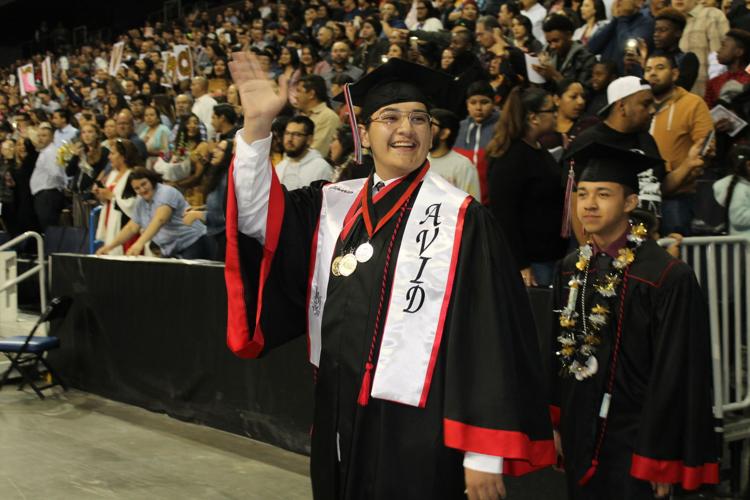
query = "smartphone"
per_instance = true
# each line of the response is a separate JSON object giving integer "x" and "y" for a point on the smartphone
{"x": 631, "y": 46}
{"x": 414, "y": 41}
{"x": 707, "y": 143}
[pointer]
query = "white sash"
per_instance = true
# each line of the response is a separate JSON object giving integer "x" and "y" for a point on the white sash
{"x": 421, "y": 291}
{"x": 337, "y": 199}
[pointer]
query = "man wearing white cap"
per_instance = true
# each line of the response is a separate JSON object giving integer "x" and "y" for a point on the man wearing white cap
{"x": 625, "y": 124}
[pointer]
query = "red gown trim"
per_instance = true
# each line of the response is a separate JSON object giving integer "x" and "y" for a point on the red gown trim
{"x": 446, "y": 301}
{"x": 674, "y": 471}
{"x": 554, "y": 415}
{"x": 240, "y": 340}
{"x": 520, "y": 454}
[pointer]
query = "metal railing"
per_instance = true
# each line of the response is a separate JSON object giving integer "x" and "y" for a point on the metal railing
{"x": 722, "y": 267}
{"x": 38, "y": 268}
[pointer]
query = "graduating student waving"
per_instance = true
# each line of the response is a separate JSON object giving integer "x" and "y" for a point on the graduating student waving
{"x": 428, "y": 377}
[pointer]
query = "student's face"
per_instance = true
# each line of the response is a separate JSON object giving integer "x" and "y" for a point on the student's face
{"x": 518, "y": 29}
{"x": 367, "y": 32}
{"x": 603, "y": 205}
{"x": 484, "y": 36}
{"x": 394, "y": 51}
{"x": 659, "y": 74}
{"x": 88, "y": 134}
{"x": 218, "y": 153}
{"x": 182, "y": 105}
{"x": 558, "y": 41}
{"x": 666, "y": 34}
{"x": 599, "y": 77}
{"x": 727, "y": 51}
{"x": 335, "y": 149}
{"x": 57, "y": 120}
{"x": 110, "y": 129}
{"x": 220, "y": 68}
{"x": 572, "y": 102}
{"x": 479, "y": 107}
{"x": 306, "y": 57}
{"x": 470, "y": 12}
{"x": 684, "y": 6}
{"x": 192, "y": 126}
{"x": 143, "y": 188}
{"x": 150, "y": 117}
{"x": 340, "y": 53}
{"x": 325, "y": 36}
{"x": 639, "y": 110}
{"x": 296, "y": 139}
{"x": 137, "y": 108}
{"x": 446, "y": 59}
{"x": 44, "y": 137}
{"x": 115, "y": 158}
{"x": 587, "y": 9}
{"x": 545, "y": 120}
{"x": 625, "y": 7}
{"x": 504, "y": 17}
{"x": 400, "y": 146}
{"x": 21, "y": 150}
{"x": 8, "y": 150}
{"x": 494, "y": 67}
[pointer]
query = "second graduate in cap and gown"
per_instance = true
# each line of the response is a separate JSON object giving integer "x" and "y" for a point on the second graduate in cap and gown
{"x": 632, "y": 391}
{"x": 417, "y": 321}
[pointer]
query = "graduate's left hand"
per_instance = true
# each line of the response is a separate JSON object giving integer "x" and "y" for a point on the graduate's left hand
{"x": 483, "y": 485}
{"x": 661, "y": 490}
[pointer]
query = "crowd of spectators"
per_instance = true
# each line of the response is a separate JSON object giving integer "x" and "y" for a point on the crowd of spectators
{"x": 535, "y": 79}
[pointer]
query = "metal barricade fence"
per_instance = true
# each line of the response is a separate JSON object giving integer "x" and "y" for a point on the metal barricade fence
{"x": 722, "y": 267}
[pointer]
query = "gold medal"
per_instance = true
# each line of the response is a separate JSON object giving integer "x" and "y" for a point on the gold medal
{"x": 348, "y": 264}
{"x": 364, "y": 252}
{"x": 335, "y": 266}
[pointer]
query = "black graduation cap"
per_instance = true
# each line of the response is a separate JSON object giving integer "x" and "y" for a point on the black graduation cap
{"x": 399, "y": 81}
{"x": 597, "y": 162}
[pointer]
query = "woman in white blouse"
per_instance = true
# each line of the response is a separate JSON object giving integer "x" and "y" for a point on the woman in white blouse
{"x": 116, "y": 195}
{"x": 594, "y": 16}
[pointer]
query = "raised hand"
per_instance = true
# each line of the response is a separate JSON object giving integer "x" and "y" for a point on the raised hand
{"x": 260, "y": 101}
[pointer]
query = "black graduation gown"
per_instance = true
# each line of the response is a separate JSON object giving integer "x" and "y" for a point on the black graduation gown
{"x": 487, "y": 378}
{"x": 660, "y": 425}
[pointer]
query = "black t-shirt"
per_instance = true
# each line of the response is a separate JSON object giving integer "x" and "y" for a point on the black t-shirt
{"x": 649, "y": 180}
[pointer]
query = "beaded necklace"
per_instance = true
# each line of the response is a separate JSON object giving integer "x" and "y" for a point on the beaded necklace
{"x": 578, "y": 345}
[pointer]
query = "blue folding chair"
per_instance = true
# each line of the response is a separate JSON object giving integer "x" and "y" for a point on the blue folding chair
{"x": 25, "y": 353}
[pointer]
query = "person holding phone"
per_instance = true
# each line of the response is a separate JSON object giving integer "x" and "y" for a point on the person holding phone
{"x": 681, "y": 125}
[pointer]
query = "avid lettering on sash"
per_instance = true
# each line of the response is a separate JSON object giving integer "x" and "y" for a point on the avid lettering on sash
{"x": 421, "y": 289}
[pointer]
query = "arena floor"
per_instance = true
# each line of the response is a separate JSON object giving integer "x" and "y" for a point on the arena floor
{"x": 75, "y": 445}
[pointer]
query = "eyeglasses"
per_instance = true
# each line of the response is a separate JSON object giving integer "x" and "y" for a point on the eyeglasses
{"x": 392, "y": 117}
{"x": 550, "y": 110}
{"x": 295, "y": 135}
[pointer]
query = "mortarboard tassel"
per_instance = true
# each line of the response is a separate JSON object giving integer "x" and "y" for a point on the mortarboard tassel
{"x": 568, "y": 204}
{"x": 364, "y": 391}
{"x": 589, "y": 473}
{"x": 353, "y": 124}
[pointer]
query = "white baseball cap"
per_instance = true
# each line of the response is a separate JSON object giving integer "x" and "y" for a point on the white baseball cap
{"x": 621, "y": 88}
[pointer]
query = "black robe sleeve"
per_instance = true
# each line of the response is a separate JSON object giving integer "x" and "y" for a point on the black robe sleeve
{"x": 676, "y": 439}
{"x": 267, "y": 284}
{"x": 495, "y": 404}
